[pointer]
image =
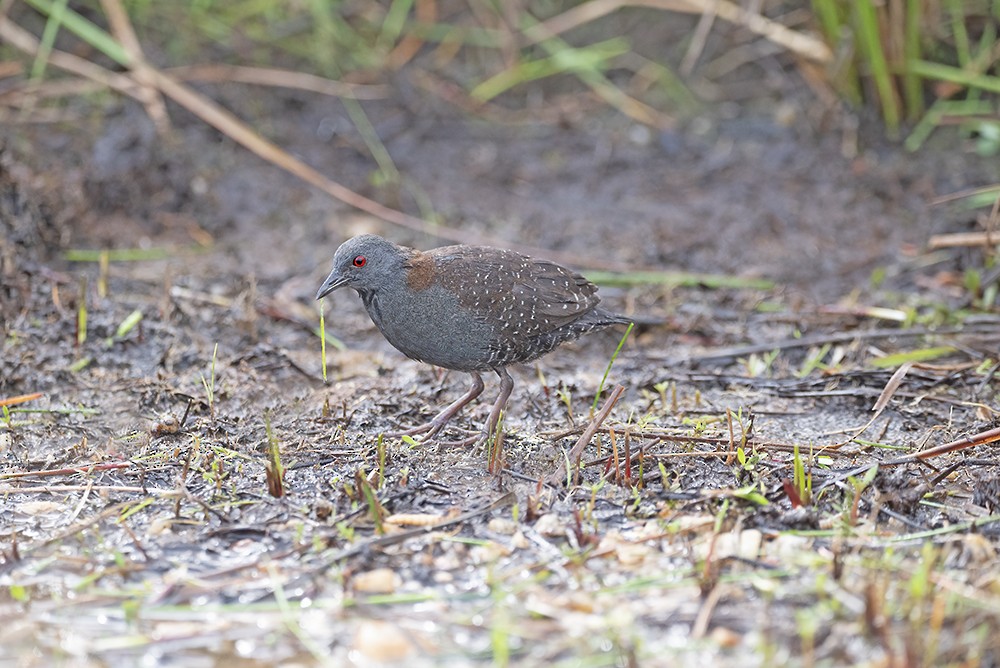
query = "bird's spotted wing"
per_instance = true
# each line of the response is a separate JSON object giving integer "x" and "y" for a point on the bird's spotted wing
{"x": 521, "y": 295}
{"x": 558, "y": 295}
{"x": 530, "y": 306}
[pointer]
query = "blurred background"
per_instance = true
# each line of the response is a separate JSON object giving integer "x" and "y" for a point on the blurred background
{"x": 796, "y": 201}
{"x": 701, "y": 135}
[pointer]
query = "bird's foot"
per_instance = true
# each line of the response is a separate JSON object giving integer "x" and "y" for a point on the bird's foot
{"x": 430, "y": 431}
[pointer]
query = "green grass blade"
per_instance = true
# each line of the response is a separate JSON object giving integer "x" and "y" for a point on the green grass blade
{"x": 871, "y": 43}
{"x": 370, "y": 136}
{"x": 959, "y": 34}
{"x": 677, "y": 279}
{"x": 85, "y": 30}
{"x": 827, "y": 13}
{"x": 955, "y": 75}
{"x": 48, "y": 39}
{"x": 919, "y": 355}
{"x": 912, "y": 83}
{"x": 127, "y": 254}
{"x": 593, "y": 59}
{"x": 126, "y": 326}
{"x": 322, "y": 339}
{"x": 445, "y": 33}
{"x": 393, "y": 24}
{"x": 607, "y": 371}
{"x": 932, "y": 119}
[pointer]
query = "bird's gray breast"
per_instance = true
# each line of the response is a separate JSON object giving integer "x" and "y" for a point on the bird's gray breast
{"x": 431, "y": 326}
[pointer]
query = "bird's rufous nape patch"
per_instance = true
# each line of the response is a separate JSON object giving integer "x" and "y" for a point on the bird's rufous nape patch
{"x": 420, "y": 274}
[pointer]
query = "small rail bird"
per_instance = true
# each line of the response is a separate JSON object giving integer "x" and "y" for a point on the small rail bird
{"x": 467, "y": 308}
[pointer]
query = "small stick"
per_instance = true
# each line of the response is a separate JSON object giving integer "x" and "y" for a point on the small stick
{"x": 559, "y": 475}
{"x": 74, "y": 470}
{"x": 13, "y": 401}
{"x": 63, "y": 489}
{"x": 982, "y": 438}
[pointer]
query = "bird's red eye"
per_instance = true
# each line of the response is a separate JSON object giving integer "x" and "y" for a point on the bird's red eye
{"x": 359, "y": 261}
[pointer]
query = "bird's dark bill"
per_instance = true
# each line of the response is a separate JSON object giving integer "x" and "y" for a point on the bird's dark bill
{"x": 332, "y": 282}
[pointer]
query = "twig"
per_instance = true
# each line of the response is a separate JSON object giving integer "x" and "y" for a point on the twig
{"x": 558, "y": 477}
{"x": 277, "y": 78}
{"x": 21, "y": 39}
{"x": 73, "y": 470}
{"x": 24, "y": 398}
{"x": 982, "y": 438}
{"x": 708, "y": 605}
{"x": 60, "y": 489}
{"x": 956, "y": 239}
{"x": 697, "y": 43}
{"x": 962, "y": 194}
{"x": 83, "y": 502}
{"x": 796, "y": 42}
{"x": 121, "y": 27}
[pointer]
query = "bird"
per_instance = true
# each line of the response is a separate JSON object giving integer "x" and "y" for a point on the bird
{"x": 467, "y": 308}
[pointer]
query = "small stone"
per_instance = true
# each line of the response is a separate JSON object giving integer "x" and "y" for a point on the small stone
{"x": 381, "y": 641}
{"x": 40, "y": 507}
{"x": 580, "y": 602}
{"x": 743, "y": 544}
{"x": 488, "y": 552}
{"x": 640, "y": 135}
{"x": 502, "y": 526}
{"x": 725, "y": 638}
{"x": 377, "y": 581}
{"x": 629, "y": 553}
{"x": 550, "y": 525}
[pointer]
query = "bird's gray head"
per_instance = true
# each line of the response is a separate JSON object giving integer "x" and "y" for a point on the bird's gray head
{"x": 365, "y": 263}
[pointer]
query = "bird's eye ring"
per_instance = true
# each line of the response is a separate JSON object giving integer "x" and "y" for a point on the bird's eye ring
{"x": 360, "y": 261}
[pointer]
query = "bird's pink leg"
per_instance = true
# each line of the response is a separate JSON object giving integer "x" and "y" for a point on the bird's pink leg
{"x": 506, "y": 386}
{"x": 441, "y": 419}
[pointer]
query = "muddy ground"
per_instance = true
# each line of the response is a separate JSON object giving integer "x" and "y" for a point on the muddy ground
{"x": 137, "y": 524}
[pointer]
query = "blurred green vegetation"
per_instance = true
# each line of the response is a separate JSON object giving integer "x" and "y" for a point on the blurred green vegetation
{"x": 922, "y": 63}
{"x": 926, "y": 62}
{"x": 488, "y": 47}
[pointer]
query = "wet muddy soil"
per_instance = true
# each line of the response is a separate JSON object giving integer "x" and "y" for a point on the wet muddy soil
{"x": 137, "y": 522}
